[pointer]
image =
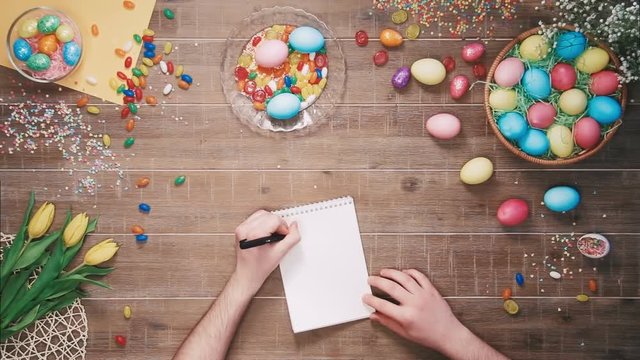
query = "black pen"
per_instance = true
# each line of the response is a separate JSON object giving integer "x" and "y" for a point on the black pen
{"x": 247, "y": 244}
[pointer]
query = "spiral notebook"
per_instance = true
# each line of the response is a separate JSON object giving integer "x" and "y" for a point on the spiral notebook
{"x": 325, "y": 275}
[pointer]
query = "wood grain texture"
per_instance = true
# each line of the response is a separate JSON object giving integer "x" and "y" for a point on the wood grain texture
{"x": 412, "y": 209}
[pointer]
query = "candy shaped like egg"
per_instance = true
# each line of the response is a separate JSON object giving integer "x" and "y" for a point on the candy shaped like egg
{"x": 28, "y": 28}
{"x": 537, "y": 83}
{"x": 509, "y": 72}
{"x": 71, "y": 52}
{"x": 271, "y": 53}
{"x": 560, "y": 140}
{"x": 604, "y": 109}
{"x": 570, "y": 44}
{"x": 592, "y": 60}
{"x": 64, "y": 33}
{"x": 401, "y": 77}
{"x": 283, "y": 106}
{"x": 573, "y": 102}
{"x": 534, "y": 142}
{"x": 586, "y": 133}
{"x": 563, "y": 76}
{"x": 21, "y": 49}
{"x": 306, "y": 39}
{"x": 39, "y": 62}
{"x": 604, "y": 82}
{"x": 476, "y": 171}
{"x": 503, "y": 99}
{"x": 443, "y": 126}
{"x": 561, "y": 198}
{"x": 428, "y": 71}
{"x": 391, "y": 38}
{"x": 512, "y": 125}
{"x": 541, "y": 115}
{"x": 48, "y": 24}
{"x": 513, "y": 212}
{"x": 534, "y": 48}
{"x": 471, "y": 53}
{"x": 48, "y": 44}
{"x": 459, "y": 86}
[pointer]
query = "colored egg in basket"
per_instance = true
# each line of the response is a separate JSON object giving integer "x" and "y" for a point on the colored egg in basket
{"x": 555, "y": 99}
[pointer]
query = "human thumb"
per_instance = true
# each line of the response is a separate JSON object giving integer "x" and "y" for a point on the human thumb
{"x": 292, "y": 238}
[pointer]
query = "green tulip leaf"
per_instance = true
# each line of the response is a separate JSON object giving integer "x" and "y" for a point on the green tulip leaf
{"x": 11, "y": 253}
{"x": 35, "y": 250}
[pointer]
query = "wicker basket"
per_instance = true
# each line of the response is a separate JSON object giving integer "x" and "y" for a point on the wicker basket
{"x": 556, "y": 162}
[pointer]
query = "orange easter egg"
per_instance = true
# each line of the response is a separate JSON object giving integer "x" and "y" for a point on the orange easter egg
{"x": 48, "y": 44}
{"x": 391, "y": 38}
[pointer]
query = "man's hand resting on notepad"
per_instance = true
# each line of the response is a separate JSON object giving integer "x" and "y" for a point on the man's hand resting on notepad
{"x": 423, "y": 316}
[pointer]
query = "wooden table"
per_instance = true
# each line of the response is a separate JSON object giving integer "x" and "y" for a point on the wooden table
{"x": 413, "y": 210}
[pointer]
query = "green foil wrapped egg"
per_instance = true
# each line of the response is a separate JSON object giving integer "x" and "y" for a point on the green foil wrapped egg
{"x": 39, "y": 62}
{"x": 28, "y": 28}
{"x": 48, "y": 24}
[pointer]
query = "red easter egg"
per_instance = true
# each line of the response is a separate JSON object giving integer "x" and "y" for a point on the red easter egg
{"x": 449, "y": 64}
{"x": 604, "y": 82}
{"x": 541, "y": 115}
{"x": 472, "y": 52}
{"x": 563, "y": 76}
{"x": 459, "y": 86}
{"x": 586, "y": 133}
{"x": 513, "y": 212}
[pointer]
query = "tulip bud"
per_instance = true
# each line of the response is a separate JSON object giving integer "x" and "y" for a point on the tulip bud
{"x": 75, "y": 230}
{"x": 41, "y": 220}
{"x": 101, "y": 252}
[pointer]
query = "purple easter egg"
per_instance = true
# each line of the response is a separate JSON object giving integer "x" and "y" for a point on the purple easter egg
{"x": 401, "y": 78}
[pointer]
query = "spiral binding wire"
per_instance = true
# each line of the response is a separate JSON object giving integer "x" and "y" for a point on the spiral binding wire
{"x": 314, "y": 207}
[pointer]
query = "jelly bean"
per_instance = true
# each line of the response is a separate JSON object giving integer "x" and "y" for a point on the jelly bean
{"x": 144, "y": 69}
{"x": 124, "y": 112}
{"x": 323, "y": 50}
{"x": 295, "y": 90}
{"x": 91, "y": 80}
{"x": 255, "y": 41}
{"x": 593, "y": 285}
{"x": 241, "y": 73}
{"x": 129, "y": 5}
{"x": 94, "y": 110}
{"x": 156, "y": 59}
{"x": 126, "y": 311}
{"x": 129, "y": 92}
{"x": 128, "y": 142}
{"x": 449, "y": 64}
{"x": 163, "y": 67}
{"x": 136, "y": 80}
{"x": 180, "y": 70}
{"x": 520, "y": 279}
{"x": 506, "y": 293}
{"x": 148, "y": 32}
{"x": 138, "y": 93}
{"x": 287, "y": 81}
{"x": 319, "y": 73}
{"x": 479, "y": 71}
{"x": 130, "y": 84}
{"x": 151, "y": 100}
{"x": 137, "y": 38}
{"x": 121, "y": 340}
{"x": 186, "y": 78}
{"x": 250, "y": 87}
{"x": 180, "y": 180}
{"x": 83, "y": 101}
{"x": 170, "y": 67}
{"x": 149, "y": 54}
{"x": 167, "y": 89}
{"x": 120, "y": 52}
{"x": 94, "y": 30}
{"x": 128, "y": 99}
{"x": 380, "y": 58}
{"x": 258, "y": 106}
{"x": 259, "y": 95}
{"x": 320, "y": 61}
{"x": 268, "y": 90}
{"x": 106, "y": 140}
{"x": 113, "y": 83}
{"x": 183, "y": 85}
{"x": 143, "y": 182}
{"x": 294, "y": 80}
{"x": 148, "y": 62}
{"x": 168, "y": 48}
{"x": 127, "y": 62}
{"x": 300, "y": 66}
{"x": 121, "y": 75}
{"x": 252, "y": 75}
{"x": 147, "y": 38}
{"x": 168, "y": 13}
{"x": 131, "y": 124}
{"x": 362, "y": 38}
{"x": 323, "y": 82}
{"x": 149, "y": 46}
{"x": 133, "y": 107}
{"x": 313, "y": 78}
{"x": 142, "y": 81}
{"x": 144, "y": 207}
{"x": 142, "y": 238}
{"x": 120, "y": 89}
{"x": 582, "y": 298}
{"x": 127, "y": 46}
{"x": 511, "y": 307}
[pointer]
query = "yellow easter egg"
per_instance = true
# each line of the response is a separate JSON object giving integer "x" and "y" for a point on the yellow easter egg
{"x": 476, "y": 171}
{"x": 560, "y": 140}
{"x": 428, "y": 71}
{"x": 28, "y": 28}
{"x": 592, "y": 60}
{"x": 64, "y": 33}
{"x": 503, "y": 99}
{"x": 534, "y": 48}
{"x": 573, "y": 102}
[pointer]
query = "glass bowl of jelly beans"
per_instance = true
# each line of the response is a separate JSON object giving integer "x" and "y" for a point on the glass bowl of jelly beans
{"x": 44, "y": 45}
{"x": 283, "y": 71}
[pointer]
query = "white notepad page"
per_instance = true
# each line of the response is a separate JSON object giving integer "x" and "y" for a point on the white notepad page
{"x": 325, "y": 275}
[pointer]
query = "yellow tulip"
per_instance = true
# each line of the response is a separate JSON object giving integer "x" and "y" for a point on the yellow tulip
{"x": 75, "y": 230}
{"x": 101, "y": 252}
{"x": 41, "y": 220}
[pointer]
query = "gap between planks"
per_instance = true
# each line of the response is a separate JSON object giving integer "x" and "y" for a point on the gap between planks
{"x": 132, "y": 170}
{"x": 199, "y": 298}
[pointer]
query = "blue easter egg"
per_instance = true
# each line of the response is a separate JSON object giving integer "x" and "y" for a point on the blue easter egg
{"x": 537, "y": 83}
{"x": 534, "y": 142}
{"x": 283, "y": 106}
{"x": 71, "y": 53}
{"x": 604, "y": 109}
{"x": 561, "y": 198}
{"x": 570, "y": 45}
{"x": 22, "y": 49}
{"x": 306, "y": 39}
{"x": 512, "y": 125}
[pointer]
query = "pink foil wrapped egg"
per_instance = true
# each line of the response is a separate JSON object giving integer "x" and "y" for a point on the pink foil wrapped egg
{"x": 604, "y": 82}
{"x": 586, "y": 133}
{"x": 541, "y": 115}
{"x": 563, "y": 77}
{"x": 459, "y": 86}
{"x": 443, "y": 126}
{"x": 271, "y": 53}
{"x": 471, "y": 53}
{"x": 509, "y": 72}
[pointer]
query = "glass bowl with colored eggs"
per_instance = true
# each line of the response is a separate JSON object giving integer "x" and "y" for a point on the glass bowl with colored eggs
{"x": 555, "y": 99}
{"x": 44, "y": 45}
{"x": 283, "y": 71}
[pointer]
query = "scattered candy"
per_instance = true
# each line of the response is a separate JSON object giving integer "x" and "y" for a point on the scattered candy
{"x": 127, "y": 62}
{"x": 449, "y": 64}
{"x": 399, "y": 16}
{"x": 459, "y": 86}
{"x": 471, "y": 53}
{"x": 168, "y": 47}
{"x": 127, "y": 46}
{"x": 183, "y": 85}
{"x": 167, "y": 89}
{"x": 83, "y": 101}
{"x": 163, "y": 67}
{"x": 142, "y": 238}
{"x": 520, "y": 279}
{"x": 391, "y": 38}
{"x": 106, "y": 140}
{"x": 362, "y": 38}
{"x": 121, "y": 340}
{"x": 126, "y": 311}
{"x": 180, "y": 180}
{"x": 143, "y": 182}
{"x": 511, "y": 307}
{"x": 120, "y": 53}
{"x": 94, "y": 30}
{"x": 593, "y": 285}
{"x": 412, "y": 31}
{"x": 582, "y": 298}
{"x": 555, "y": 275}
{"x": 151, "y": 100}
{"x": 144, "y": 207}
{"x": 479, "y": 71}
{"x": 506, "y": 293}
{"x": 401, "y": 77}
{"x": 128, "y": 142}
{"x": 186, "y": 78}
{"x": 137, "y": 38}
{"x": 380, "y": 58}
{"x": 129, "y": 5}
{"x": 168, "y": 13}
{"x": 137, "y": 229}
{"x": 148, "y": 32}
{"x": 94, "y": 110}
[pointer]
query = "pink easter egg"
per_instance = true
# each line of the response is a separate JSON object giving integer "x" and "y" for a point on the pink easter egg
{"x": 459, "y": 86}
{"x": 472, "y": 52}
{"x": 509, "y": 72}
{"x": 586, "y": 133}
{"x": 604, "y": 82}
{"x": 563, "y": 77}
{"x": 541, "y": 115}
{"x": 443, "y": 126}
{"x": 513, "y": 212}
{"x": 271, "y": 53}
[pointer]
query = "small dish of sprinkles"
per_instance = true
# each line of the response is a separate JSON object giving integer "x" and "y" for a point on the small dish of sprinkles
{"x": 593, "y": 246}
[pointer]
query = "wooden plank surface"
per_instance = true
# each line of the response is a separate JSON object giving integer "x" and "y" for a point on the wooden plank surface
{"x": 413, "y": 210}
